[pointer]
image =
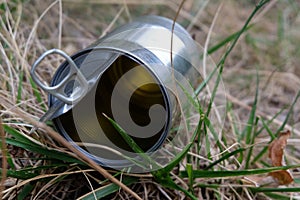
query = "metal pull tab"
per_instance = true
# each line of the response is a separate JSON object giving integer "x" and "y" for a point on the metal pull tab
{"x": 58, "y": 90}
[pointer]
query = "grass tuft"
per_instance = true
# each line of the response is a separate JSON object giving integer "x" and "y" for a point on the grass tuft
{"x": 256, "y": 47}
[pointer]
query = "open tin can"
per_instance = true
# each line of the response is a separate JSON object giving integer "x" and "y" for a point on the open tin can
{"x": 131, "y": 76}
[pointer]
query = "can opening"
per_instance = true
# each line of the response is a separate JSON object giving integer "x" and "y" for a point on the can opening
{"x": 79, "y": 127}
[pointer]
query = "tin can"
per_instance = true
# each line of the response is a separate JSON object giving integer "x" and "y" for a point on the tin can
{"x": 130, "y": 75}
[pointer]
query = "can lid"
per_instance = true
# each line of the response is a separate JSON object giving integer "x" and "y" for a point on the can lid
{"x": 71, "y": 82}
{"x": 58, "y": 89}
{"x": 80, "y": 73}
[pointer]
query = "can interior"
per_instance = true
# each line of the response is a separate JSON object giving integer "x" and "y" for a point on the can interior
{"x": 140, "y": 102}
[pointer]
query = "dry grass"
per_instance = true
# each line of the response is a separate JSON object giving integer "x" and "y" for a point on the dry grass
{"x": 29, "y": 28}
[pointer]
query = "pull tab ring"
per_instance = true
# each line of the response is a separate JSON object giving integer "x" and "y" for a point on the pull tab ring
{"x": 58, "y": 89}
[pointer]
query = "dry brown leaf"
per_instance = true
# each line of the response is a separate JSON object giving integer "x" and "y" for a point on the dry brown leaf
{"x": 281, "y": 177}
{"x": 276, "y": 149}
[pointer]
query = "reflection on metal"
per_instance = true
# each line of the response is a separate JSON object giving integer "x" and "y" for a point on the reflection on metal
{"x": 126, "y": 75}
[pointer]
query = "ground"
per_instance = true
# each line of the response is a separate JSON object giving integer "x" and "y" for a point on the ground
{"x": 267, "y": 51}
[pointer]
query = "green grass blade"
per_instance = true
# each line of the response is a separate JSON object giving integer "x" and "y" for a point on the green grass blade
{"x": 162, "y": 175}
{"x": 107, "y": 189}
{"x": 10, "y": 161}
{"x": 265, "y": 126}
{"x": 235, "y": 128}
{"x": 165, "y": 180}
{"x": 247, "y": 132}
{"x": 214, "y": 133}
{"x": 286, "y": 189}
{"x": 249, "y": 154}
{"x": 270, "y": 121}
{"x": 234, "y": 173}
{"x": 19, "y": 96}
{"x": 260, "y": 154}
{"x": 217, "y": 83}
{"x": 202, "y": 185}
{"x": 19, "y": 174}
{"x": 43, "y": 151}
{"x": 125, "y": 136}
{"x": 181, "y": 155}
{"x": 225, "y": 157}
{"x": 23, "y": 142}
{"x": 271, "y": 134}
{"x": 17, "y": 135}
{"x": 189, "y": 170}
{"x": 204, "y": 82}
{"x": 43, "y": 167}
{"x": 192, "y": 99}
{"x": 277, "y": 196}
{"x": 266, "y": 191}
{"x": 280, "y": 26}
{"x": 135, "y": 147}
{"x": 25, "y": 191}
{"x": 199, "y": 140}
{"x": 225, "y": 41}
{"x": 288, "y": 115}
{"x": 30, "y": 172}
{"x": 207, "y": 142}
{"x": 187, "y": 193}
{"x": 222, "y": 61}
{"x": 37, "y": 94}
{"x": 176, "y": 160}
{"x": 253, "y": 189}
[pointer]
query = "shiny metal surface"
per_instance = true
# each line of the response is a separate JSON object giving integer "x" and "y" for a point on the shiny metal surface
{"x": 145, "y": 42}
{"x": 58, "y": 89}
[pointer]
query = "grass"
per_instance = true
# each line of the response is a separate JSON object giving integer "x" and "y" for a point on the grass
{"x": 255, "y": 48}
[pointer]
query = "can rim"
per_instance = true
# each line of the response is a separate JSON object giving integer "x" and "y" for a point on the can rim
{"x": 134, "y": 56}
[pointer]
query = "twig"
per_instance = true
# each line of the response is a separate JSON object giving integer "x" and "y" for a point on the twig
{"x": 172, "y": 64}
{"x": 42, "y": 176}
{"x": 205, "y": 54}
{"x": 197, "y": 16}
{"x": 53, "y": 134}
{"x": 60, "y": 24}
